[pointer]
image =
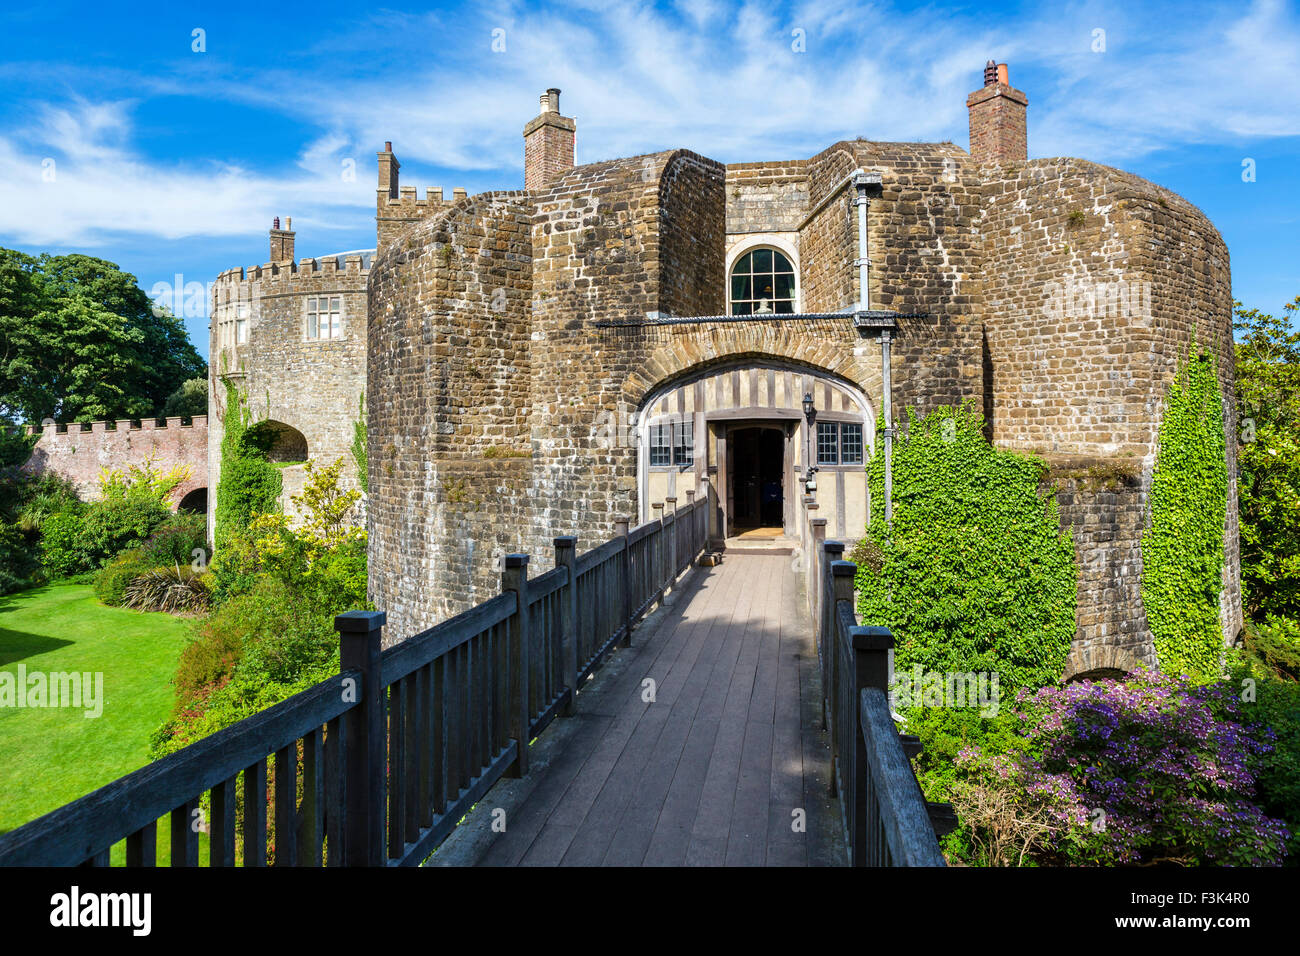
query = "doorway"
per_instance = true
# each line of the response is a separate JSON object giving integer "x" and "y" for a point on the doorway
{"x": 757, "y": 480}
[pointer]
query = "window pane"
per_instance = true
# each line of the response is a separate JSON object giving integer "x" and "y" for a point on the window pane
{"x": 851, "y": 444}
{"x": 827, "y": 443}
{"x": 745, "y": 265}
{"x": 684, "y": 443}
{"x": 660, "y": 453}
{"x": 785, "y": 286}
{"x": 742, "y": 308}
{"x": 762, "y": 260}
{"x": 740, "y": 286}
{"x": 781, "y": 264}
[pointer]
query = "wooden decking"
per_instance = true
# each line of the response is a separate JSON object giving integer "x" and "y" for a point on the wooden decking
{"x": 718, "y": 770}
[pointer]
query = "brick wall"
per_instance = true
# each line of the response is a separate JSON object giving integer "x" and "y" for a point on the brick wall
{"x": 81, "y": 451}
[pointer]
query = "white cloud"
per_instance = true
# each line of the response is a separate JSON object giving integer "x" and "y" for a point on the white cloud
{"x": 717, "y": 78}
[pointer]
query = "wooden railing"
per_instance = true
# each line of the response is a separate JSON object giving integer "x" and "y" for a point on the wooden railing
{"x": 887, "y": 821}
{"x": 377, "y": 765}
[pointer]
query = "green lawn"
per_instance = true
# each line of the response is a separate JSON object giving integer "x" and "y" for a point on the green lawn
{"x": 54, "y": 755}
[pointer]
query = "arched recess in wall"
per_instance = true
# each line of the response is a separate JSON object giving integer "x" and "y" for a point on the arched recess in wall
{"x": 765, "y": 260}
{"x": 281, "y": 442}
{"x": 195, "y": 501}
{"x": 684, "y": 426}
{"x": 1098, "y": 662}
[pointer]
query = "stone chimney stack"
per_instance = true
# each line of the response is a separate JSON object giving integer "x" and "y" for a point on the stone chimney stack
{"x": 388, "y": 170}
{"x": 997, "y": 119}
{"x": 282, "y": 241}
{"x": 548, "y": 143}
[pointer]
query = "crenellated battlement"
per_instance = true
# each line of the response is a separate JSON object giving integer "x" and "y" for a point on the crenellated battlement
{"x": 354, "y": 264}
{"x": 117, "y": 425}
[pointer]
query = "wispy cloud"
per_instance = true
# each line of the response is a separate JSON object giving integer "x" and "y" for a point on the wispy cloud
{"x": 737, "y": 82}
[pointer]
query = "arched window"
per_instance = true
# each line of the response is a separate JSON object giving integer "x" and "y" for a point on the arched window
{"x": 762, "y": 281}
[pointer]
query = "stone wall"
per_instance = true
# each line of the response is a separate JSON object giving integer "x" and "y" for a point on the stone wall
{"x": 79, "y": 452}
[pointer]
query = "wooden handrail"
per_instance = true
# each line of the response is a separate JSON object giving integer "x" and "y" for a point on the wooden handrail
{"x": 393, "y": 751}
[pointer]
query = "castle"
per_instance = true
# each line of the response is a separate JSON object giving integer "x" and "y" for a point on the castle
{"x": 621, "y": 336}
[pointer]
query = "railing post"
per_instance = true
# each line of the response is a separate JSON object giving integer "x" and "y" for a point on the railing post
{"x": 566, "y": 555}
{"x": 690, "y": 537}
{"x": 514, "y": 577}
{"x": 657, "y": 547}
{"x": 365, "y": 750}
{"x": 872, "y": 648}
{"x": 621, "y": 528}
{"x": 841, "y": 589}
{"x": 832, "y": 551}
{"x": 814, "y": 575}
{"x": 671, "y": 509}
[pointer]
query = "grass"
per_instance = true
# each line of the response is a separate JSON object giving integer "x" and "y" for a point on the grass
{"x": 55, "y": 755}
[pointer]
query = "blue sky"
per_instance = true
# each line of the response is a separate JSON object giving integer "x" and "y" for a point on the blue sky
{"x": 172, "y": 161}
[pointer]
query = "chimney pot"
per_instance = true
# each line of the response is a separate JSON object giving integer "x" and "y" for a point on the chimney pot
{"x": 990, "y": 73}
{"x": 1002, "y": 75}
{"x": 388, "y": 146}
{"x": 275, "y": 224}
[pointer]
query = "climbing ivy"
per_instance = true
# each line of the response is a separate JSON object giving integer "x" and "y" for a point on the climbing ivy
{"x": 249, "y": 484}
{"x": 1182, "y": 548}
{"x": 359, "y": 452}
{"x": 976, "y": 574}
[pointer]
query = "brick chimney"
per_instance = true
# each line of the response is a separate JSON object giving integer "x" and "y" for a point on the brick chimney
{"x": 282, "y": 240}
{"x": 548, "y": 143}
{"x": 997, "y": 119}
{"x": 388, "y": 170}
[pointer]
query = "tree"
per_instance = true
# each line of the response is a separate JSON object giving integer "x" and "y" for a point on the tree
{"x": 1268, "y": 487}
{"x": 80, "y": 341}
{"x": 189, "y": 400}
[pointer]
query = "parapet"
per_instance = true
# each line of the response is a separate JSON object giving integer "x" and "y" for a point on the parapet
{"x": 351, "y": 264}
{"x": 117, "y": 425}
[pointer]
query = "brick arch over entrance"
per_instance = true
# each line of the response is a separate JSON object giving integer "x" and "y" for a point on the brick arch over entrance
{"x": 801, "y": 343}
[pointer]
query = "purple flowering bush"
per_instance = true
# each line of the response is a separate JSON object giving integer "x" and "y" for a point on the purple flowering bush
{"x": 1147, "y": 770}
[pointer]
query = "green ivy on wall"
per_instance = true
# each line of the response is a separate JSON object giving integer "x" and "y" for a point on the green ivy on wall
{"x": 248, "y": 484}
{"x": 1182, "y": 548}
{"x": 359, "y": 452}
{"x": 977, "y": 574}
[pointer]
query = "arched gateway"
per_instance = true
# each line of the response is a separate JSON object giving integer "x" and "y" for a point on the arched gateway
{"x": 749, "y": 432}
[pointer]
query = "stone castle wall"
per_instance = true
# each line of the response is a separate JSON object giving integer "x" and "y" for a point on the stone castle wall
{"x": 1095, "y": 281}
{"x": 80, "y": 452}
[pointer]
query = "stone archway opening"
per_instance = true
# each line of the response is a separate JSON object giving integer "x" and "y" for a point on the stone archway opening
{"x": 282, "y": 443}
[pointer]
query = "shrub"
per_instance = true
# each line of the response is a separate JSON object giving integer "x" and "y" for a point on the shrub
{"x": 112, "y": 581}
{"x": 976, "y": 574}
{"x": 176, "y": 539}
{"x": 170, "y": 589}
{"x": 1273, "y": 703}
{"x": 1147, "y": 770}
{"x": 63, "y": 551}
{"x": 1276, "y": 642}
{"x": 45, "y": 495}
{"x": 113, "y": 525}
{"x": 254, "y": 651}
{"x": 18, "y": 565}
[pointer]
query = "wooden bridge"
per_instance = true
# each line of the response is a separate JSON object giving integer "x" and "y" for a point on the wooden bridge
{"x": 714, "y": 724}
